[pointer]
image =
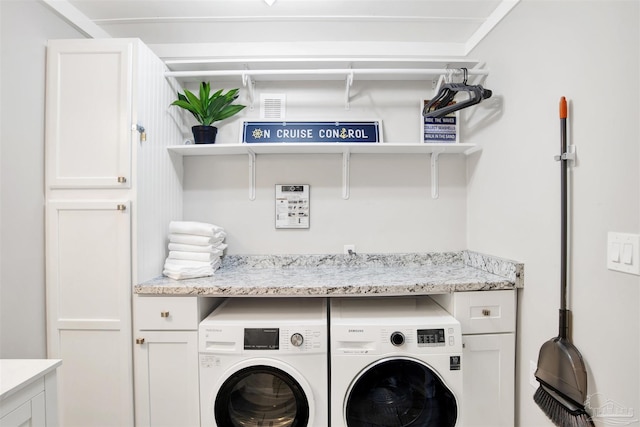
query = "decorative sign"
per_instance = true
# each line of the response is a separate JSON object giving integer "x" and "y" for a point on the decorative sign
{"x": 299, "y": 131}
{"x": 292, "y": 206}
{"x": 440, "y": 130}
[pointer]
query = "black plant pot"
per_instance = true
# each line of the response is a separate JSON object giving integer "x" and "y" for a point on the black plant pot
{"x": 204, "y": 134}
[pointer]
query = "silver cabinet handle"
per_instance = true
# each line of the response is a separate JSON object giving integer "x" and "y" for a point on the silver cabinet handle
{"x": 122, "y": 179}
{"x": 139, "y": 340}
{"x": 164, "y": 314}
{"x": 121, "y": 207}
{"x": 486, "y": 312}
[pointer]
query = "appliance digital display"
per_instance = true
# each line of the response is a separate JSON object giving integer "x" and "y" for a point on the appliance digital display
{"x": 261, "y": 338}
{"x": 430, "y": 337}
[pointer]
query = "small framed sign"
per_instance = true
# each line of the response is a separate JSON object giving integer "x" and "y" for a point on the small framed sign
{"x": 292, "y": 206}
{"x": 440, "y": 130}
{"x": 311, "y": 131}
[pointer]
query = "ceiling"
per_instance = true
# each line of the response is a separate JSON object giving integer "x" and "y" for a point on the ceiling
{"x": 443, "y": 27}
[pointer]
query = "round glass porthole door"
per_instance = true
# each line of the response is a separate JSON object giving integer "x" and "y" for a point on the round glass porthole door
{"x": 261, "y": 396}
{"x": 400, "y": 393}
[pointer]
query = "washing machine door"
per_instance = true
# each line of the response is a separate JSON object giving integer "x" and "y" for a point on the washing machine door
{"x": 400, "y": 392}
{"x": 261, "y": 395}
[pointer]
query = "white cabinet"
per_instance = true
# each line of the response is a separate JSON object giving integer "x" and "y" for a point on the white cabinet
{"x": 488, "y": 323}
{"x": 88, "y": 309}
{"x": 166, "y": 355}
{"x": 488, "y": 380}
{"x": 110, "y": 195}
{"x": 89, "y": 114}
{"x": 28, "y": 394}
{"x": 166, "y": 379}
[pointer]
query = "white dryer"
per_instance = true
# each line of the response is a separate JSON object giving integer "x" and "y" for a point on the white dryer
{"x": 263, "y": 362}
{"x": 395, "y": 361}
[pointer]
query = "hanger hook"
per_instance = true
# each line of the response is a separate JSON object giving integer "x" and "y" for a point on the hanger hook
{"x": 465, "y": 74}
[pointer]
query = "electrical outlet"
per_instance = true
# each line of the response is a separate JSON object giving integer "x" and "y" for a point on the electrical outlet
{"x": 349, "y": 249}
{"x": 532, "y": 374}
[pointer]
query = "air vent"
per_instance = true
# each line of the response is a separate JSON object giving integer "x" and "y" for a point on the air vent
{"x": 272, "y": 106}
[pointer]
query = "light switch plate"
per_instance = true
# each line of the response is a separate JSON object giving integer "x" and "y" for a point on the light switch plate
{"x": 623, "y": 252}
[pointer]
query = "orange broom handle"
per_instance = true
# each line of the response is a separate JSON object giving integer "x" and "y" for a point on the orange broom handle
{"x": 563, "y": 108}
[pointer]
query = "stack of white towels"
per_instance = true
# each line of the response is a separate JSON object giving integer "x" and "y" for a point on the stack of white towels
{"x": 195, "y": 249}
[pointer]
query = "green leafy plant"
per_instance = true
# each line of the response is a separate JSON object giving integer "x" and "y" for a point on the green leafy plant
{"x": 209, "y": 108}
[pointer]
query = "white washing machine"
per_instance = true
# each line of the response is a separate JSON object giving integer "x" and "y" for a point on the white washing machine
{"x": 263, "y": 362}
{"x": 395, "y": 361}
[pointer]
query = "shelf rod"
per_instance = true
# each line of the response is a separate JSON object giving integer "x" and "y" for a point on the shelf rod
{"x": 319, "y": 71}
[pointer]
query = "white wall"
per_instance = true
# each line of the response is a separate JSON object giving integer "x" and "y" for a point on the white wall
{"x": 390, "y": 208}
{"x": 25, "y": 27}
{"x": 589, "y": 52}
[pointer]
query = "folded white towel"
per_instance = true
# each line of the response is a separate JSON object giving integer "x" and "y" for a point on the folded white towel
{"x": 185, "y": 263}
{"x": 186, "y": 274}
{"x": 192, "y": 239}
{"x": 213, "y": 249}
{"x": 194, "y": 227}
{"x": 193, "y": 256}
{"x": 193, "y": 270}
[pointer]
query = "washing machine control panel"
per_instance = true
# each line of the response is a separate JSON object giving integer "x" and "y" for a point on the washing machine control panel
{"x": 366, "y": 339}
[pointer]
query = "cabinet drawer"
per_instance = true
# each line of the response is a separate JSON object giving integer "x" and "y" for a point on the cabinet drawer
{"x": 483, "y": 311}
{"x": 172, "y": 313}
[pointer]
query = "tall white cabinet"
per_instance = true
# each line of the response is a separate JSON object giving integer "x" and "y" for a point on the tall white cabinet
{"x": 111, "y": 191}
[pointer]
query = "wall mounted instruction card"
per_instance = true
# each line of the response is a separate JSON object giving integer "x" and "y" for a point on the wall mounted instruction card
{"x": 311, "y": 131}
{"x": 292, "y": 206}
{"x": 440, "y": 130}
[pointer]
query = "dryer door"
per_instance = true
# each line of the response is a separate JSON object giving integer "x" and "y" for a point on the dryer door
{"x": 261, "y": 395}
{"x": 400, "y": 392}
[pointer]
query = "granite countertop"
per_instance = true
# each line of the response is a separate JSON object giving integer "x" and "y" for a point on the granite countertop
{"x": 347, "y": 275}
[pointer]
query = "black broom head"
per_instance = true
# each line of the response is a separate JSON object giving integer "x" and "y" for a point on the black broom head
{"x": 562, "y": 412}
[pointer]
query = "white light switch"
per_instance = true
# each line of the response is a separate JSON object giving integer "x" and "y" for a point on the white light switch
{"x": 623, "y": 252}
{"x": 627, "y": 253}
{"x": 614, "y": 252}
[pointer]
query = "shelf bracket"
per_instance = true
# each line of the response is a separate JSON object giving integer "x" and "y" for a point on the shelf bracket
{"x": 347, "y": 90}
{"x": 434, "y": 174}
{"x": 346, "y": 166}
{"x": 250, "y": 86}
{"x": 252, "y": 175}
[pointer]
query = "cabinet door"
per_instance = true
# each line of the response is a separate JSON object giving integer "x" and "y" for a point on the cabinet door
{"x": 89, "y": 310}
{"x": 488, "y": 376}
{"x": 166, "y": 369}
{"x": 31, "y": 413}
{"x": 89, "y": 114}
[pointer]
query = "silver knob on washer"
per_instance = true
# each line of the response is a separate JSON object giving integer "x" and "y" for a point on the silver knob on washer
{"x": 297, "y": 339}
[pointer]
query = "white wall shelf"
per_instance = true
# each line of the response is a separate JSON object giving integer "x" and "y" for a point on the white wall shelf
{"x": 344, "y": 149}
{"x": 248, "y": 71}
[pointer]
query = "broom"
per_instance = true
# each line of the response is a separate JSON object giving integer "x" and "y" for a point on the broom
{"x": 561, "y": 371}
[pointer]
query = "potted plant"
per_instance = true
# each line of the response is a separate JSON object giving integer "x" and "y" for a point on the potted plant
{"x": 208, "y": 109}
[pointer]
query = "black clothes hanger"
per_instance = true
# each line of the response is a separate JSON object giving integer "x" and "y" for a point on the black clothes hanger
{"x": 441, "y": 105}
